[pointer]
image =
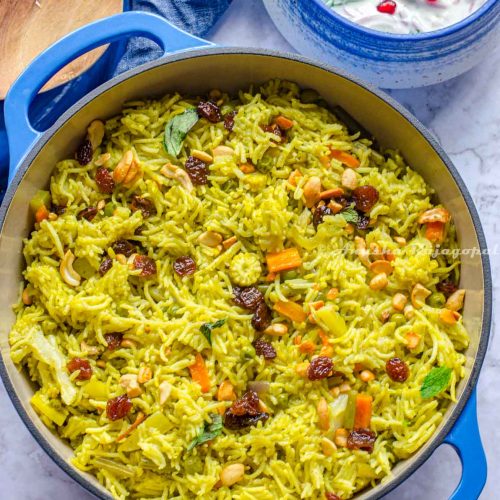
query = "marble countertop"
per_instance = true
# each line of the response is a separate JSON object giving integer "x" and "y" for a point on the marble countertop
{"x": 464, "y": 114}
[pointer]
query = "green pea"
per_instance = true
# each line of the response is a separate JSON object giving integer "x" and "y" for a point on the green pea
{"x": 193, "y": 465}
{"x": 248, "y": 353}
{"x": 398, "y": 318}
{"x": 290, "y": 275}
{"x": 109, "y": 208}
{"x": 437, "y": 299}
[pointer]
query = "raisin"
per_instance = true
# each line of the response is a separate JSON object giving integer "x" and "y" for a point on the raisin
{"x": 363, "y": 221}
{"x": 144, "y": 205}
{"x": 319, "y": 368}
{"x": 146, "y": 265}
{"x": 87, "y": 213}
{"x": 261, "y": 318}
{"x": 124, "y": 247}
{"x": 248, "y": 404}
{"x": 210, "y": 111}
{"x": 345, "y": 201}
{"x": 447, "y": 287}
{"x": 361, "y": 439}
{"x": 234, "y": 422}
{"x": 229, "y": 121}
{"x": 397, "y": 369}
{"x": 197, "y": 170}
{"x": 106, "y": 265}
{"x": 331, "y": 496}
{"x": 113, "y": 340}
{"x": 319, "y": 213}
{"x": 84, "y": 152}
{"x": 365, "y": 198}
{"x": 184, "y": 266}
{"x": 58, "y": 209}
{"x": 248, "y": 297}
{"x": 274, "y": 129}
{"x": 244, "y": 412}
{"x": 80, "y": 364}
{"x": 104, "y": 180}
{"x": 118, "y": 407}
{"x": 265, "y": 349}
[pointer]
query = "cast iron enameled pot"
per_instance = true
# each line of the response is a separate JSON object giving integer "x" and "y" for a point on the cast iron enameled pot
{"x": 194, "y": 68}
{"x": 386, "y": 59}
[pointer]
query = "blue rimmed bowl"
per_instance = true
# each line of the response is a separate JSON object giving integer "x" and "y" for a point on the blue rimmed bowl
{"x": 385, "y": 59}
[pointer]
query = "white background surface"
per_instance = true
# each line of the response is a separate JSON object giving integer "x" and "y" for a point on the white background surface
{"x": 465, "y": 116}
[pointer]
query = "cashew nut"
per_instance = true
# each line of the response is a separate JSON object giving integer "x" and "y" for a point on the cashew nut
{"x": 418, "y": 295}
{"x": 95, "y": 133}
{"x": 69, "y": 275}
{"x": 312, "y": 190}
{"x": 435, "y": 215}
{"x": 176, "y": 173}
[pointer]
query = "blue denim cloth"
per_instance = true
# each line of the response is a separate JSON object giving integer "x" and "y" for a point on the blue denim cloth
{"x": 195, "y": 16}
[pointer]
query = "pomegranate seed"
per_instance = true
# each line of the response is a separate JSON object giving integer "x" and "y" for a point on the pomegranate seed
{"x": 387, "y": 7}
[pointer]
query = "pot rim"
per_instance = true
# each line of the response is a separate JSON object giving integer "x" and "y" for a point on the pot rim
{"x": 384, "y": 36}
{"x": 25, "y": 163}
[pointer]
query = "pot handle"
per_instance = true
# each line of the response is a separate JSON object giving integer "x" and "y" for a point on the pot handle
{"x": 465, "y": 438}
{"x": 21, "y": 134}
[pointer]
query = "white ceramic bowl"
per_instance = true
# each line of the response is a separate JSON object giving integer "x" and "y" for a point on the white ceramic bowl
{"x": 385, "y": 59}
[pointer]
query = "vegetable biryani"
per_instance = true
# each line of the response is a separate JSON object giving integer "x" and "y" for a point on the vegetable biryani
{"x": 238, "y": 297}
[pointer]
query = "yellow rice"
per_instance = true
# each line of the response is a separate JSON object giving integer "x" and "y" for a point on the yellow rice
{"x": 283, "y": 457}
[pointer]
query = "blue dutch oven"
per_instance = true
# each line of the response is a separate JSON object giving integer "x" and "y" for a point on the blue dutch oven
{"x": 193, "y": 66}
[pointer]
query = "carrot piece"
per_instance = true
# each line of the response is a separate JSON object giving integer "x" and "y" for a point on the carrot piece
{"x": 247, "y": 168}
{"x": 326, "y": 350}
{"x": 229, "y": 242}
{"x": 346, "y": 158}
{"x": 42, "y": 213}
{"x": 290, "y": 310}
{"x": 311, "y": 319}
{"x": 434, "y": 231}
{"x": 284, "y": 260}
{"x": 412, "y": 340}
{"x": 317, "y": 305}
{"x": 332, "y": 293}
{"x": 325, "y": 161}
{"x": 199, "y": 373}
{"x": 307, "y": 347}
{"x": 138, "y": 420}
{"x": 292, "y": 179}
{"x": 331, "y": 193}
{"x": 324, "y": 338}
{"x": 283, "y": 122}
{"x": 270, "y": 277}
{"x": 363, "y": 414}
{"x": 226, "y": 392}
{"x": 297, "y": 340}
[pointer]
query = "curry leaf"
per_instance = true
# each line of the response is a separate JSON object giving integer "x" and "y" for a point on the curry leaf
{"x": 436, "y": 381}
{"x": 207, "y": 328}
{"x": 176, "y": 130}
{"x": 209, "y": 431}
{"x": 350, "y": 215}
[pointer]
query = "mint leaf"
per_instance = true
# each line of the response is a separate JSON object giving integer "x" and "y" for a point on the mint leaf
{"x": 209, "y": 431}
{"x": 350, "y": 215}
{"x": 436, "y": 381}
{"x": 207, "y": 328}
{"x": 176, "y": 130}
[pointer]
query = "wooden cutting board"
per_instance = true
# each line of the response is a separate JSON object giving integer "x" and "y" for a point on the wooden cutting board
{"x": 27, "y": 27}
